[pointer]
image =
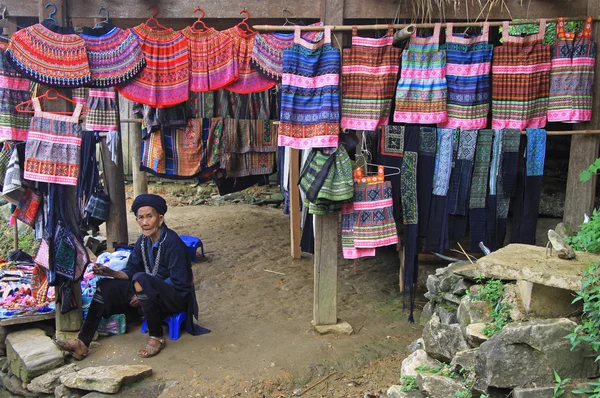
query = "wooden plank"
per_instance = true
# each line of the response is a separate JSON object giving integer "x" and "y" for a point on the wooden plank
{"x": 326, "y": 255}
{"x": 27, "y": 319}
{"x": 140, "y": 178}
{"x": 295, "y": 231}
{"x": 116, "y": 225}
{"x": 584, "y": 151}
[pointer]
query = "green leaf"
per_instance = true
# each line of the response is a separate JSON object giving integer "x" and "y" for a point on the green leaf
{"x": 585, "y": 176}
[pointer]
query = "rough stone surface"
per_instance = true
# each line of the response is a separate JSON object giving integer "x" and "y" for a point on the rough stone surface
{"x": 62, "y": 391}
{"x": 433, "y": 284}
{"x": 341, "y": 328}
{"x": 32, "y": 353}
{"x": 436, "y": 386}
{"x": 451, "y": 298}
{"x": 106, "y": 379}
{"x": 448, "y": 282}
{"x": 46, "y": 383}
{"x": 446, "y": 317}
{"x": 442, "y": 342}
{"x": 427, "y": 312}
{"x": 416, "y": 359}
{"x": 396, "y": 392}
{"x": 529, "y": 263}
{"x": 533, "y": 392}
{"x": 461, "y": 287}
{"x": 527, "y": 353}
{"x": 473, "y": 312}
{"x": 418, "y": 344}
{"x": 464, "y": 359}
{"x": 474, "y": 334}
{"x": 15, "y": 386}
{"x": 144, "y": 389}
{"x": 511, "y": 296}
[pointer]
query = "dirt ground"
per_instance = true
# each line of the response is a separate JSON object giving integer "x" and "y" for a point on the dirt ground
{"x": 261, "y": 341}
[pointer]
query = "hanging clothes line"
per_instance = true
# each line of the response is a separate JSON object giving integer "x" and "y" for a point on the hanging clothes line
{"x": 343, "y": 28}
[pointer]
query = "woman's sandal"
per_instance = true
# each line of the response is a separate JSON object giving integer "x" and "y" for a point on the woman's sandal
{"x": 152, "y": 350}
{"x": 77, "y": 349}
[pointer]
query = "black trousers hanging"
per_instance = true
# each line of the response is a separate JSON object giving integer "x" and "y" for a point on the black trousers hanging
{"x": 526, "y": 209}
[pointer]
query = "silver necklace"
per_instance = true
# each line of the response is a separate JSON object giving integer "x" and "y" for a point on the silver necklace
{"x": 156, "y": 260}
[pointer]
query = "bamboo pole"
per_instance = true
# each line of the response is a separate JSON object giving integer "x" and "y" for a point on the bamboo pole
{"x": 343, "y": 28}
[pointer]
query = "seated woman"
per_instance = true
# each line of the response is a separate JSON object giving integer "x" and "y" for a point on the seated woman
{"x": 157, "y": 279}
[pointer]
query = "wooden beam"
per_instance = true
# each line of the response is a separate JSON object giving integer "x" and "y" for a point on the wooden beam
{"x": 326, "y": 252}
{"x": 140, "y": 178}
{"x": 116, "y": 225}
{"x": 295, "y": 230}
{"x": 384, "y": 10}
{"x": 580, "y": 196}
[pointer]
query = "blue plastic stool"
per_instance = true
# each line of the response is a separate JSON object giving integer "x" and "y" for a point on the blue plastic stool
{"x": 174, "y": 323}
{"x": 193, "y": 244}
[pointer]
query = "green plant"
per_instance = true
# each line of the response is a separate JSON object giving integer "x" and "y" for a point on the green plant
{"x": 463, "y": 394}
{"x": 593, "y": 392}
{"x": 492, "y": 291}
{"x": 588, "y": 237}
{"x": 442, "y": 370}
{"x": 558, "y": 385}
{"x": 586, "y": 175}
{"x": 409, "y": 383}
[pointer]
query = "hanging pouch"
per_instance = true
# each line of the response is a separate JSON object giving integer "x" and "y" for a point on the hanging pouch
{"x": 64, "y": 252}
{"x": 28, "y": 208}
{"x": 67, "y": 297}
{"x": 96, "y": 208}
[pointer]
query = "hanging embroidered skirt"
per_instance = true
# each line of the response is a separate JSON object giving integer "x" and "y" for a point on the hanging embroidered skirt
{"x": 102, "y": 113}
{"x": 164, "y": 81}
{"x": 479, "y": 184}
{"x": 51, "y": 55}
{"x": 249, "y": 79}
{"x": 374, "y": 225}
{"x": 572, "y": 75}
{"x": 267, "y": 53}
{"x": 369, "y": 74}
{"x": 53, "y": 147}
{"x": 422, "y": 90}
{"x": 212, "y": 60}
{"x": 521, "y": 76}
{"x": 114, "y": 55}
{"x": 310, "y": 114}
{"x": 14, "y": 89}
{"x": 468, "y": 62}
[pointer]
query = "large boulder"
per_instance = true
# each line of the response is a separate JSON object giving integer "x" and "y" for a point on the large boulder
{"x": 464, "y": 360}
{"x": 31, "y": 353}
{"x": 475, "y": 335}
{"x": 442, "y": 341}
{"x": 446, "y": 316}
{"x": 436, "y": 386}
{"x": 433, "y": 284}
{"x": 416, "y": 359}
{"x": 527, "y": 353}
{"x": 46, "y": 383}
{"x": 427, "y": 312}
{"x": 106, "y": 379}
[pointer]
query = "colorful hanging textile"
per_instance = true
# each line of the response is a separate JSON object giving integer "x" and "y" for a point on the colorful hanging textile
{"x": 410, "y": 213}
{"x": 349, "y": 251}
{"x": 14, "y": 89}
{"x": 28, "y": 208}
{"x": 245, "y": 106}
{"x": 310, "y": 94}
{"x": 165, "y": 79}
{"x": 427, "y": 146}
{"x": 213, "y": 145}
{"x": 174, "y": 153}
{"x": 12, "y": 189}
{"x": 507, "y": 176}
{"x": 468, "y": 62}
{"x": 267, "y": 53}
{"x": 369, "y": 74}
{"x": 50, "y": 54}
{"x": 53, "y": 146}
{"x": 479, "y": 184}
{"x": 422, "y": 91}
{"x": 572, "y": 75}
{"x": 212, "y": 61}
{"x": 491, "y": 203}
{"x": 5, "y": 155}
{"x": 521, "y": 76}
{"x": 102, "y": 110}
{"x": 249, "y": 79}
{"x": 114, "y": 55}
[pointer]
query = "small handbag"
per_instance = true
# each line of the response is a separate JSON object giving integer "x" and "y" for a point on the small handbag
{"x": 96, "y": 208}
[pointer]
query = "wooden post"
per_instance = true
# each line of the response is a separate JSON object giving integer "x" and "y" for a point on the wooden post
{"x": 140, "y": 178}
{"x": 326, "y": 252}
{"x": 327, "y": 227}
{"x": 116, "y": 225}
{"x": 584, "y": 151}
{"x": 295, "y": 231}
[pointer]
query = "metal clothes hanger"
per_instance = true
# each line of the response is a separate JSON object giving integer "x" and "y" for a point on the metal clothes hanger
{"x": 366, "y": 156}
{"x": 98, "y": 25}
{"x": 50, "y": 16}
{"x": 249, "y": 30}
{"x": 199, "y": 20}
{"x": 157, "y": 26}
{"x": 287, "y": 21}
